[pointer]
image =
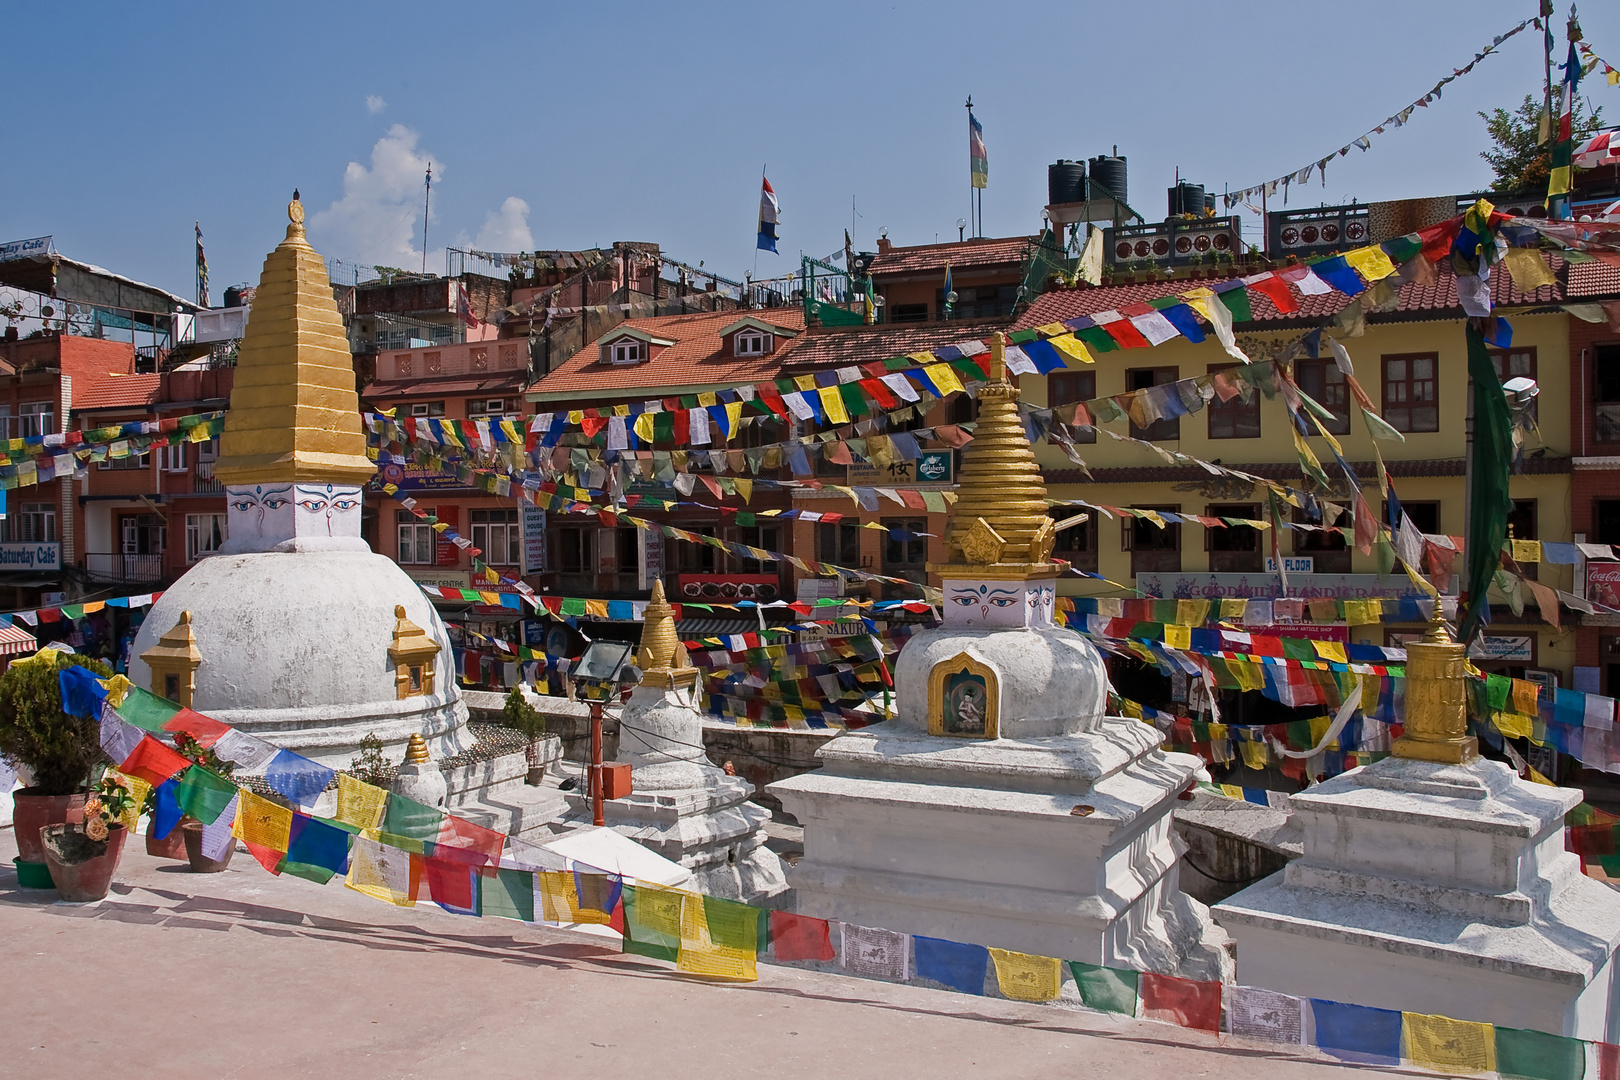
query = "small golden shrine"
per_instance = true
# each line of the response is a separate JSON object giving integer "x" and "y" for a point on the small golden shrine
{"x": 1436, "y": 721}
{"x": 412, "y": 654}
{"x": 660, "y": 655}
{"x": 174, "y": 661}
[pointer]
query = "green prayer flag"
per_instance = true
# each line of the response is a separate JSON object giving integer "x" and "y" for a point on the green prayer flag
{"x": 1498, "y": 688}
{"x": 204, "y": 794}
{"x": 403, "y": 843}
{"x": 1298, "y": 649}
{"x": 509, "y": 895}
{"x": 854, "y": 399}
{"x": 1491, "y": 458}
{"x": 409, "y": 818}
{"x": 146, "y": 710}
{"x": 1402, "y": 248}
{"x": 320, "y": 875}
{"x": 1105, "y": 989}
{"x": 1535, "y": 1055}
{"x": 1018, "y": 337}
{"x": 652, "y": 923}
{"x": 732, "y": 925}
{"x": 573, "y": 605}
{"x": 1237, "y": 302}
{"x": 1097, "y": 339}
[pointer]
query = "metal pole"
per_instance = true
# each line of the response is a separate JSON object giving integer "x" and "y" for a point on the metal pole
{"x": 427, "y": 195}
{"x": 596, "y": 764}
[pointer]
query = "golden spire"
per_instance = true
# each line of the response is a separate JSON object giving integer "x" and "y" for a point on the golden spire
{"x": 1000, "y": 518}
{"x": 1436, "y": 720}
{"x": 294, "y": 413}
{"x": 661, "y": 656}
{"x": 416, "y": 750}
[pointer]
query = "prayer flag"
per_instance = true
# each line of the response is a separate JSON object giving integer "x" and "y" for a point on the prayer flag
{"x": 1447, "y": 1045}
{"x": 978, "y": 156}
{"x": 454, "y": 886}
{"x": 1187, "y": 1002}
{"x": 509, "y": 894}
{"x": 769, "y": 212}
{"x": 1023, "y": 977}
{"x": 719, "y": 938}
{"x": 1535, "y": 1055}
{"x": 1357, "y": 1033}
{"x": 874, "y": 953}
{"x": 1265, "y": 1014}
{"x": 1561, "y": 179}
{"x": 597, "y": 894}
{"x": 960, "y": 967}
{"x": 260, "y": 821}
{"x": 166, "y": 813}
{"x": 204, "y": 794}
{"x": 146, "y": 710}
{"x": 246, "y": 752}
{"x": 220, "y": 836}
{"x": 204, "y": 730}
{"x": 383, "y": 873}
{"x": 118, "y": 738}
{"x": 358, "y": 803}
{"x": 1106, "y": 989}
{"x": 800, "y": 937}
{"x": 297, "y": 778}
{"x": 314, "y": 843}
{"x": 409, "y": 818}
{"x": 652, "y": 921}
{"x": 152, "y": 761}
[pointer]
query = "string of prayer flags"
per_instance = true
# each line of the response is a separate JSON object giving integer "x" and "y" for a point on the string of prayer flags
{"x": 508, "y": 894}
{"x": 1536, "y": 1055}
{"x": 297, "y": 778}
{"x": 652, "y": 921}
{"x": 1023, "y": 977}
{"x": 874, "y": 953}
{"x": 951, "y": 963}
{"x": 262, "y": 822}
{"x": 1106, "y": 989}
{"x": 801, "y": 937}
{"x": 1186, "y": 1002}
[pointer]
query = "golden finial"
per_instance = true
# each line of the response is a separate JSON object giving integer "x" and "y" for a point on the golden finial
{"x": 294, "y": 414}
{"x": 416, "y": 751}
{"x": 661, "y": 656}
{"x": 1436, "y": 721}
{"x": 1000, "y": 518}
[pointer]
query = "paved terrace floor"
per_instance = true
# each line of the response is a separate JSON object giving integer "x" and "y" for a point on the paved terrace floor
{"x": 242, "y": 975}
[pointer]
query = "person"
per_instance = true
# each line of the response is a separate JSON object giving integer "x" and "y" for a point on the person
{"x": 730, "y": 769}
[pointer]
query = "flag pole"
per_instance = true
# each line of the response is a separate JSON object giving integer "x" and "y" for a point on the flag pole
{"x": 972, "y": 219}
{"x": 428, "y": 195}
{"x": 763, "y": 169}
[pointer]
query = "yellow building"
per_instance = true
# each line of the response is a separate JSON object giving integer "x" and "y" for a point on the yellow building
{"x": 1412, "y": 363}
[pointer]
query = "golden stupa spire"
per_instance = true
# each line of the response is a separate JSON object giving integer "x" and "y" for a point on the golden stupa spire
{"x": 661, "y": 656}
{"x": 294, "y": 412}
{"x": 1000, "y": 522}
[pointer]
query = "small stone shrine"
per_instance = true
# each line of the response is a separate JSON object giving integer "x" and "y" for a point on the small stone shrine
{"x": 680, "y": 805}
{"x": 296, "y": 631}
{"x": 1000, "y": 806}
{"x": 1436, "y": 881}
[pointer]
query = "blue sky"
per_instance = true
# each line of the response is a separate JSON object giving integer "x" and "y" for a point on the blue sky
{"x": 574, "y": 125}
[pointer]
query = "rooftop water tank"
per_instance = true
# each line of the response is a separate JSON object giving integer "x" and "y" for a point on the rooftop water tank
{"x": 1065, "y": 182}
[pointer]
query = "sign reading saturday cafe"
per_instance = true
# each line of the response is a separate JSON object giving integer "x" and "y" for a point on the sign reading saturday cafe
{"x": 27, "y": 556}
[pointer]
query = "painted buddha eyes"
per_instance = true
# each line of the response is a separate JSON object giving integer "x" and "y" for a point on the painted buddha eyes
{"x": 341, "y": 503}
{"x": 314, "y": 506}
{"x": 1001, "y": 601}
{"x": 242, "y": 506}
{"x": 965, "y": 601}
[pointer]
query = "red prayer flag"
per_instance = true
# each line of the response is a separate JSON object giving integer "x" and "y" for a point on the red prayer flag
{"x": 449, "y": 882}
{"x": 153, "y": 762}
{"x": 269, "y": 858}
{"x": 880, "y": 392}
{"x": 1276, "y": 290}
{"x": 465, "y": 843}
{"x": 1437, "y": 239}
{"x": 1608, "y": 1055}
{"x": 1125, "y": 332}
{"x": 800, "y": 937}
{"x": 1181, "y": 1001}
{"x": 205, "y": 729}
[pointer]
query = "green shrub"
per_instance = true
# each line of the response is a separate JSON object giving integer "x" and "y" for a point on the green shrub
{"x": 521, "y": 716}
{"x": 60, "y": 750}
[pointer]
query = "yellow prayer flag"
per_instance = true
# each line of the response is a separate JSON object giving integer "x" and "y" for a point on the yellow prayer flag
{"x": 1023, "y": 977}
{"x": 1256, "y": 755}
{"x": 644, "y": 427}
{"x": 805, "y": 382}
{"x": 260, "y": 821}
{"x": 1370, "y": 262}
{"x": 117, "y": 689}
{"x": 131, "y": 817}
{"x": 1330, "y": 650}
{"x": 359, "y": 803}
{"x": 1513, "y": 725}
{"x": 1177, "y": 637}
{"x": 198, "y": 433}
{"x": 1447, "y": 1045}
{"x": 384, "y": 873}
{"x": 1073, "y": 348}
{"x": 1191, "y": 612}
{"x": 597, "y": 609}
{"x": 575, "y": 416}
{"x": 1525, "y": 696}
{"x": 559, "y": 900}
{"x": 832, "y": 404}
{"x": 944, "y": 379}
{"x": 1528, "y": 269}
{"x": 699, "y": 953}
{"x": 733, "y": 414}
{"x": 921, "y": 357}
{"x": 1523, "y": 551}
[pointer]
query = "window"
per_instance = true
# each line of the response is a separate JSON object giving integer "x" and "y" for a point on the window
{"x": 907, "y": 553}
{"x": 33, "y": 523}
{"x": 1329, "y": 550}
{"x": 142, "y": 534}
{"x": 695, "y": 558}
{"x": 1153, "y": 550}
{"x": 1411, "y": 392}
{"x": 1068, "y": 387}
{"x": 418, "y": 543}
{"x": 496, "y": 533}
{"x": 128, "y": 461}
{"x": 908, "y": 312}
{"x": 759, "y": 536}
{"x": 1606, "y": 521}
{"x": 626, "y": 351}
{"x": 750, "y": 343}
{"x": 481, "y": 408}
{"x": 1516, "y": 364}
{"x": 172, "y": 458}
{"x": 1323, "y": 380}
{"x": 628, "y": 545}
{"x": 36, "y": 418}
{"x": 1237, "y": 418}
{"x": 1234, "y": 549}
{"x": 1425, "y": 515}
{"x": 208, "y": 452}
{"x": 1078, "y": 543}
{"x": 573, "y": 550}
{"x": 838, "y": 543}
{"x": 425, "y": 408}
{"x": 962, "y": 409}
{"x": 1141, "y": 379}
{"x": 204, "y": 534}
{"x": 1606, "y": 393}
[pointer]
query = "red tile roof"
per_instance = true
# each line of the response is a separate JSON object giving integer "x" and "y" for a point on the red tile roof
{"x": 841, "y": 346}
{"x": 987, "y": 251}
{"x": 111, "y": 390}
{"x": 1594, "y": 280}
{"x": 696, "y": 358}
{"x": 510, "y": 383}
{"x": 1437, "y": 299}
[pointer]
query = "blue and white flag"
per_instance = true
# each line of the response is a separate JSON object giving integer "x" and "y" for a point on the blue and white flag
{"x": 769, "y": 212}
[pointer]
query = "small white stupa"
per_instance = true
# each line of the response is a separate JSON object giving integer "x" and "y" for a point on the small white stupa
{"x": 680, "y": 805}
{"x": 1000, "y": 806}
{"x": 296, "y": 631}
{"x": 1436, "y": 881}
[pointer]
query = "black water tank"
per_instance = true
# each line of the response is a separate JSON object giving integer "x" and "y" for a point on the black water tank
{"x": 1209, "y": 204}
{"x": 1109, "y": 172}
{"x": 233, "y": 296}
{"x": 1066, "y": 182}
{"x": 1187, "y": 198}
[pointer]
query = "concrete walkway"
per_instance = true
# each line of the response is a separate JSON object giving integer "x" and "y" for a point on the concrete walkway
{"x": 242, "y": 975}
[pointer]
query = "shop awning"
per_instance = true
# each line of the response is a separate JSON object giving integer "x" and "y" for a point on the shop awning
{"x": 715, "y": 627}
{"x": 15, "y": 640}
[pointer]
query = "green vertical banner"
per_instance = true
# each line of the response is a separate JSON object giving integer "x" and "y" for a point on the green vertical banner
{"x": 1491, "y": 462}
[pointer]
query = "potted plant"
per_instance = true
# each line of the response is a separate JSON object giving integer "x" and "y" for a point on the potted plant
{"x": 172, "y": 846}
{"x": 543, "y": 749}
{"x": 190, "y": 829}
{"x": 59, "y": 752}
{"x": 83, "y": 856}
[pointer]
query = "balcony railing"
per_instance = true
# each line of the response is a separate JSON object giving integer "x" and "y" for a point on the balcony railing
{"x": 203, "y": 482}
{"x": 1606, "y": 422}
{"x": 123, "y": 568}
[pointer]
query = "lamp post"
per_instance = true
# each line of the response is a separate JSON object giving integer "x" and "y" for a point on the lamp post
{"x": 602, "y": 669}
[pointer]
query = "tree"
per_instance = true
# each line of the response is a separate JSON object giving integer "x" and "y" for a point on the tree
{"x": 60, "y": 750}
{"x": 1520, "y": 160}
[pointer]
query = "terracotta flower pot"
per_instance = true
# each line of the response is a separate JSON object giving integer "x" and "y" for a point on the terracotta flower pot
{"x": 171, "y": 847}
{"x": 32, "y": 811}
{"x": 80, "y": 879}
{"x": 201, "y": 864}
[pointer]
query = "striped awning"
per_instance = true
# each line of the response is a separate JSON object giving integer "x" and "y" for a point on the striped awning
{"x": 15, "y": 640}
{"x": 714, "y": 627}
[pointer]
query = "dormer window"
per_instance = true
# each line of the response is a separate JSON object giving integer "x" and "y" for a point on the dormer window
{"x": 751, "y": 343}
{"x": 627, "y": 351}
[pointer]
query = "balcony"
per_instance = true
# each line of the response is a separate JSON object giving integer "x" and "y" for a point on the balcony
{"x": 123, "y": 569}
{"x": 1174, "y": 243}
{"x": 203, "y": 482}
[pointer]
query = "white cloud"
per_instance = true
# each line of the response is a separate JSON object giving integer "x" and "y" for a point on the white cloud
{"x": 375, "y": 104}
{"x": 506, "y": 229}
{"x": 375, "y": 221}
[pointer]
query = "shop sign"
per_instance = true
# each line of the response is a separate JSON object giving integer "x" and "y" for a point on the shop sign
{"x": 1200, "y": 586}
{"x": 1603, "y": 583}
{"x": 534, "y": 539}
{"x": 931, "y": 467}
{"x": 30, "y": 557}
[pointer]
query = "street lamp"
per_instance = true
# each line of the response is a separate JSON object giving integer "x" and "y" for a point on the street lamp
{"x": 603, "y": 669}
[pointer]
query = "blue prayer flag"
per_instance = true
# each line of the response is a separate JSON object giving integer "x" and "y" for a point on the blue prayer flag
{"x": 1339, "y": 274}
{"x": 960, "y": 967}
{"x": 1358, "y": 1033}
{"x": 166, "y": 814}
{"x": 296, "y": 777}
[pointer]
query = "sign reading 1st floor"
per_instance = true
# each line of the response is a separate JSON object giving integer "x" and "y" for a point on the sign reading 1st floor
{"x": 30, "y": 557}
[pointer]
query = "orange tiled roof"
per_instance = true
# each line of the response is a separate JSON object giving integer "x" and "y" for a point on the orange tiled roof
{"x": 696, "y": 358}
{"x": 863, "y": 344}
{"x": 964, "y": 254}
{"x": 112, "y": 390}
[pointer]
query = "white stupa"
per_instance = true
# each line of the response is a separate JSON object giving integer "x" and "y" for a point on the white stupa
{"x": 680, "y": 805}
{"x": 296, "y": 631}
{"x": 1000, "y": 806}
